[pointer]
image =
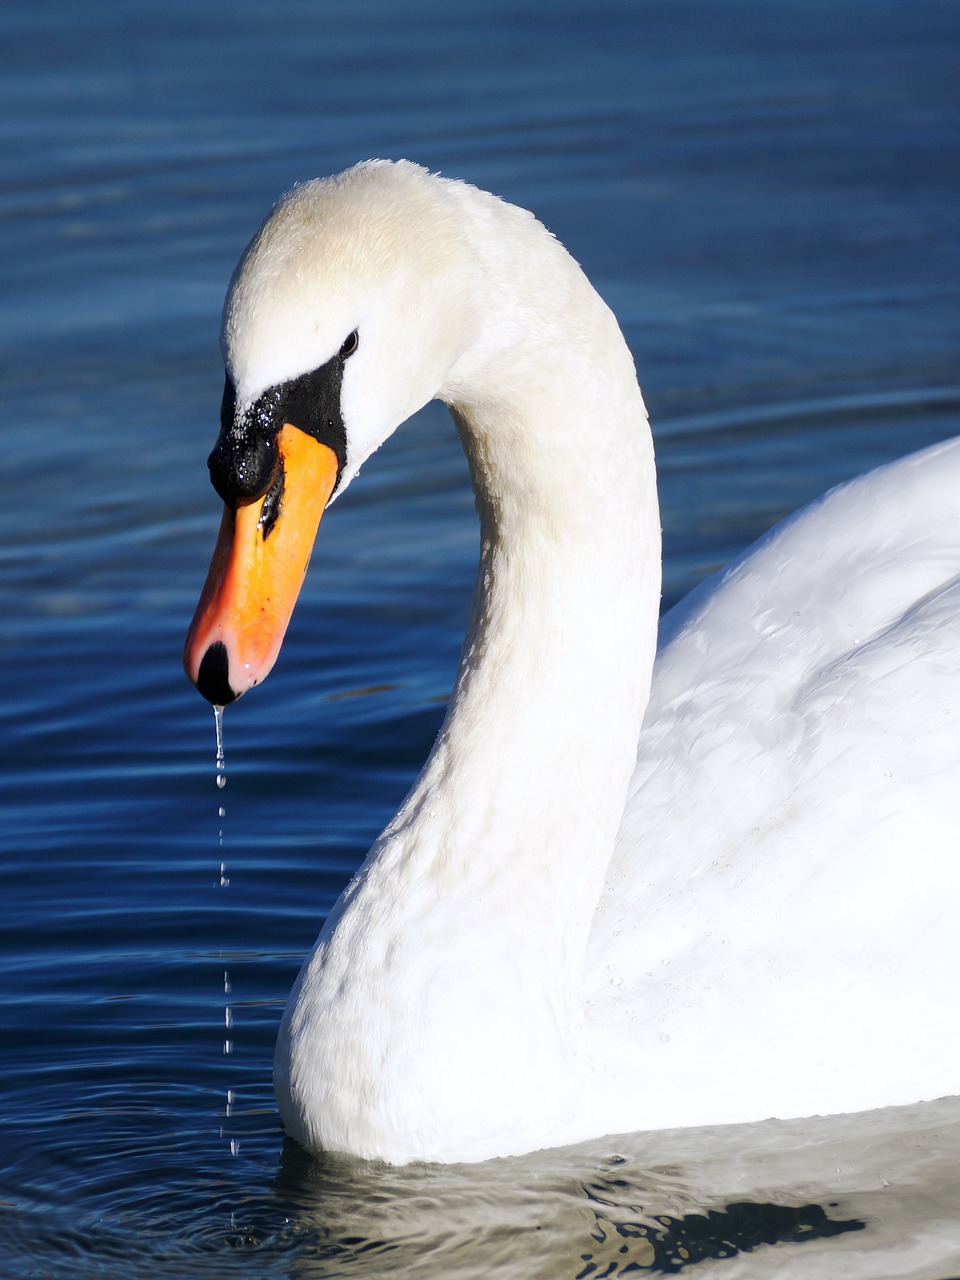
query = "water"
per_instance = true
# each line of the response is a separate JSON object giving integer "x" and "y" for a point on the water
{"x": 767, "y": 195}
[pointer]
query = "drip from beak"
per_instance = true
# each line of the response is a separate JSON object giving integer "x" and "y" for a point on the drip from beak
{"x": 258, "y": 567}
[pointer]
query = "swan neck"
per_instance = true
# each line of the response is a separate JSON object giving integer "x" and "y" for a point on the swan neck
{"x": 541, "y": 732}
{"x": 529, "y": 774}
{"x": 453, "y": 964}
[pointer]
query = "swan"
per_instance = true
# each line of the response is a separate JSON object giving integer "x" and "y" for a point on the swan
{"x": 634, "y": 887}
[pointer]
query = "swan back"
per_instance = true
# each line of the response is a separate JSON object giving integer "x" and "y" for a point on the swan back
{"x": 788, "y": 848}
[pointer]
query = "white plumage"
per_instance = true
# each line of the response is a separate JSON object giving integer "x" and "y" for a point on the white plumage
{"x": 574, "y": 925}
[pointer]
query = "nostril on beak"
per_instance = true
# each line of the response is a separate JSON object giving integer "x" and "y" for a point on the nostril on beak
{"x": 213, "y": 677}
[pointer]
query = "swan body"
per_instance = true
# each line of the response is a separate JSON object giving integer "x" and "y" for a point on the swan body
{"x": 631, "y": 888}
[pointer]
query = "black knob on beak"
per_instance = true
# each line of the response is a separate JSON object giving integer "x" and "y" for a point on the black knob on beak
{"x": 243, "y": 464}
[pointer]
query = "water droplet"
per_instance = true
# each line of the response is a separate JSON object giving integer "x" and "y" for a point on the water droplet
{"x": 218, "y": 723}
{"x": 221, "y": 767}
{"x": 665, "y": 1039}
{"x": 228, "y": 1046}
{"x": 228, "y": 1017}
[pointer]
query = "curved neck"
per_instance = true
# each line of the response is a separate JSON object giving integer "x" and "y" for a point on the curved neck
{"x": 451, "y": 967}
{"x": 528, "y": 778}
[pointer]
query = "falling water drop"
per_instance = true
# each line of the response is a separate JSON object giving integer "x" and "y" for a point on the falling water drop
{"x": 221, "y": 767}
{"x": 224, "y": 882}
{"x": 221, "y": 780}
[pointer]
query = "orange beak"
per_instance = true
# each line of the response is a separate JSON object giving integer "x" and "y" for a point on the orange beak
{"x": 256, "y": 574}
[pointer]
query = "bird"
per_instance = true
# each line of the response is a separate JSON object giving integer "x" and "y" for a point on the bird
{"x": 654, "y": 873}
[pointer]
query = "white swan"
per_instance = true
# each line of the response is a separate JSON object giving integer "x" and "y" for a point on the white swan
{"x": 574, "y": 926}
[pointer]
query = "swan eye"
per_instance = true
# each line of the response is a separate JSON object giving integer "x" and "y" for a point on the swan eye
{"x": 350, "y": 345}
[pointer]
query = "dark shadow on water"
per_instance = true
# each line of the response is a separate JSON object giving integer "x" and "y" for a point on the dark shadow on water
{"x": 677, "y": 1243}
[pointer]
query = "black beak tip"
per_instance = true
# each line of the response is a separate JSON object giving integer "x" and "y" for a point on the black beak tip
{"x": 213, "y": 677}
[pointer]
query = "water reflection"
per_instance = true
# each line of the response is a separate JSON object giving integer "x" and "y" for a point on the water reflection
{"x": 655, "y": 1204}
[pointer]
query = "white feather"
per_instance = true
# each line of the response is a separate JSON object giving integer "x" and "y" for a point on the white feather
{"x": 576, "y": 925}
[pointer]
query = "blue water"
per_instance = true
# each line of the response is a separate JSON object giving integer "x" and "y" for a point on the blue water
{"x": 768, "y": 197}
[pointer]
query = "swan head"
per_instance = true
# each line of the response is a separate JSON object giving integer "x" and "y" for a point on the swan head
{"x": 378, "y": 252}
{"x": 348, "y": 311}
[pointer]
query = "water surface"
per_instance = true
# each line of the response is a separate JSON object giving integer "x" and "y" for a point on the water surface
{"x": 767, "y": 196}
